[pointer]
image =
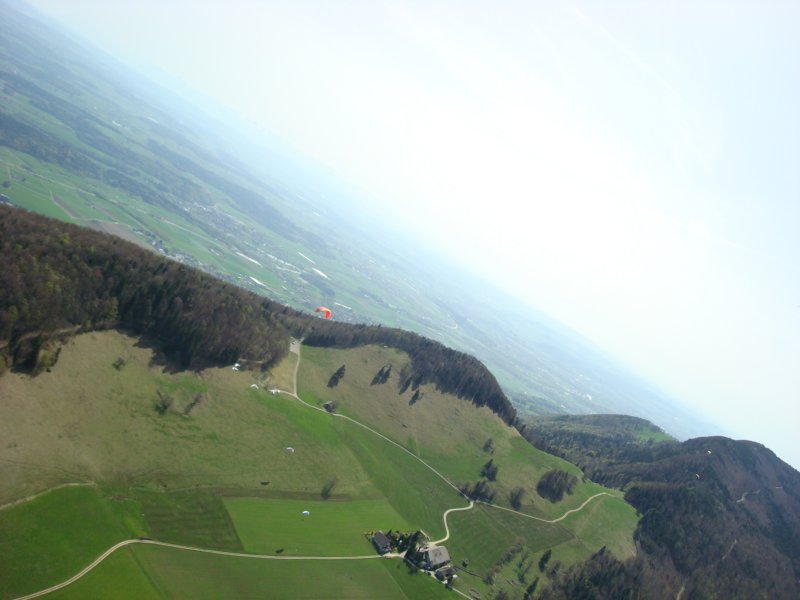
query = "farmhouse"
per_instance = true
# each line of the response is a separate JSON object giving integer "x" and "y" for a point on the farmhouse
{"x": 446, "y": 573}
{"x": 434, "y": 558}
{"x": 381, "y": 542}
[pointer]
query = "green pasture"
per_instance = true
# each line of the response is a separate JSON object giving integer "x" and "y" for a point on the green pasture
{"x": 415, "y": 492}
{"x": 446, "y": 432}
{"x": 607, "y": 521}
{"x": 120, "y": 576}
{"x": 186, "y": 574}
{"x": 52, "y": 537}
{"x": 332, "y": 529}
{"x": 482, "y": 534}
{"x": 144, "y": 572}
{"x": 190, "y": 517}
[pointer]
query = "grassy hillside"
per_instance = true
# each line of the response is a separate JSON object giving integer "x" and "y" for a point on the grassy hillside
{"x": 180, "y": 574}
{"x": 446, "y": 432}
{"x": 217, "y": 474}
{"x": 50, "y": 538}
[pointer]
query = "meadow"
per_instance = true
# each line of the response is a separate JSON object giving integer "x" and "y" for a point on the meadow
{"x": 217, "y": 474}
{"x": 52, "y": 537}
{"x": 172, "y": 573}
{"x": 448, "y": 433}
{"x": 332, "y": 528}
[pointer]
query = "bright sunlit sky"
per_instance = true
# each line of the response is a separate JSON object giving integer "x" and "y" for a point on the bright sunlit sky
{"x": 630, "y": 168}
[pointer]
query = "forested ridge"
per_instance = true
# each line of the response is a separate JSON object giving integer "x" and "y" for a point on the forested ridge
{"x": 720, "y": 518}
{"x": 58, "y": 277}
{"x": 590, "y": 441}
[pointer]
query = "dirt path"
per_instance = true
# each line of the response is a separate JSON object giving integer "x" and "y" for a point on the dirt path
{"x": 680, "y": 592}
{"x": 124, "y": 543}
{"x": 446, "y": 528}
{"x": 43, "y": 492}
{"x": 561, "y": 518}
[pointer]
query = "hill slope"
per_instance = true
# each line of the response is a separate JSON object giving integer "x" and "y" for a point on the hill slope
{"x": 207, "y": 458}
{"x": 213, "y": 469}
{"x": 720, "y": 518}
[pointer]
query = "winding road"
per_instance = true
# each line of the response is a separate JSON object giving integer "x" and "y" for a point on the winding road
{"x": 295, "y": 349}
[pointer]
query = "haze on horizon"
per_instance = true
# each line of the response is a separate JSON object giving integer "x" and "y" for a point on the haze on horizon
{"x": 630, "y": 169}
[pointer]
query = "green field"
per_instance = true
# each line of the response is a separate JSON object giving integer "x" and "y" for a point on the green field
{"x": 483, "y": 534}
{"x": 608, "y": 522}
{"x": 332, "y": 529}
{"x": 444, "y": 431}
{"x": 219, "y": 476}
{"x": 121, "y": 576}
{"x": 156, "y": 572}
{"x": 192, "y": 517}
{"x": 52, "y": 537}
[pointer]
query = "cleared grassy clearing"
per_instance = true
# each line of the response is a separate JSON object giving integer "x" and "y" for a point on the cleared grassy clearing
{"x": 281, "y": 376}
{"x": 644, "y": 434}
{"x": 608, "y": 521}
{"x": 332, "y": 528}
{"x": 50, "y": 538}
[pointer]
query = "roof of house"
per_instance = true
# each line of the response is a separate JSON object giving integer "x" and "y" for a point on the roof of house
{"x": 381, "y": 539}
{"x": 445, "y": 572}
{"x": 438, "y": 555}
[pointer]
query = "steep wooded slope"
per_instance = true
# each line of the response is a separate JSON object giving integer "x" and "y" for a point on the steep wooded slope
{"x": 720, "y": 518}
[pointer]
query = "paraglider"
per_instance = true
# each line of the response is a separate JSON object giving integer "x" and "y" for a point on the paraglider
{"x": 325, "y": 311}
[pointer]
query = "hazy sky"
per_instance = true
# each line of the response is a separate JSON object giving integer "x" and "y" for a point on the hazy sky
{"x": 631, "y": 168}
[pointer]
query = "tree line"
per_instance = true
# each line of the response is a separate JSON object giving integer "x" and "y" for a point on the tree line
{"x": 56, "y": 276}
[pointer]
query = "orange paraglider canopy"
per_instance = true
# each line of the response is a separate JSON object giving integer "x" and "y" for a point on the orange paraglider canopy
{"x": 326, "y": 311}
